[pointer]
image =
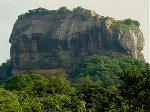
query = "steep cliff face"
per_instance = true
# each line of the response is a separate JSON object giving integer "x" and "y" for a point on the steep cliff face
{"x": 61, "y": 40}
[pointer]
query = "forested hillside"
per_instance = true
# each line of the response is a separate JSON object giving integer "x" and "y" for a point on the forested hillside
{"x": 97, "y": 84}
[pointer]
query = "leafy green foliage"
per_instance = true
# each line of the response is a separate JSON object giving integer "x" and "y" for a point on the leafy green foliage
{"x": 42, "y": 11}
{"x": 127, "y": 24}
{"x": 38, "y": 11}
{"x": 132, "y": 95}
{"x": 63, "y": 9}
{"x": 5, "y": 70}
{"x": 124, "y": 24}
{"x": 94, "y": 96}
{"x": 61, "y": 87}
{"x": 38, "y": 93}
{"x": 136, "y": 89}
{"x": 79, "y": 8}
{"x": 9, "y": 102}
{"x": 32, "y": 105}
{"x": 104, "y": 69}
{"x": 56, "y": 102}
{"x": 22, "y": 81}
{"x": 30, "y": 92}
{"x": 99, "y": 99}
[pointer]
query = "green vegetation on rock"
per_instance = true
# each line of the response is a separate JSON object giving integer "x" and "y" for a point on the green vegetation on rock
{"x": 38, "y": 11}
{"x": 127, "y": 24}
{"x": 42, "y": 11}
{"x": 79, "y": 8}
{"x": 124, "y": 24}
{"x": 63, "y": 9}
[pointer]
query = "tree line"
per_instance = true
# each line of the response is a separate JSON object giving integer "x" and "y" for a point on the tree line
{"x": 86, "y": 89}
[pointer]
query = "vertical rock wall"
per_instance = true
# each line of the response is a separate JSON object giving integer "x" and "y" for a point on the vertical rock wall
{"x": 49, "y": 42}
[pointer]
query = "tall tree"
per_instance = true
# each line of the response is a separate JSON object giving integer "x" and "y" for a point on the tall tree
{"x": 135, "y": 88}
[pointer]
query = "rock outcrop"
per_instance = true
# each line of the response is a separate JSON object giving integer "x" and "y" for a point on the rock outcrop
{"x": 58, "y": 41}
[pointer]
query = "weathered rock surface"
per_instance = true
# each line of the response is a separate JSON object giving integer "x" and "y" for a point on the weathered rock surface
{"x": 60, "y": 41}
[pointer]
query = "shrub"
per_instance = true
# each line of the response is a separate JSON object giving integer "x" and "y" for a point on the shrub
{"x": 22, "y": 81}
{"x": 78, "y": 8}
{"x": 9, "y": 102}
{"x": 63, "y": 9}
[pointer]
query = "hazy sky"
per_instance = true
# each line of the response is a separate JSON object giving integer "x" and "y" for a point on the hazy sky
{"x": 119, "y": 9}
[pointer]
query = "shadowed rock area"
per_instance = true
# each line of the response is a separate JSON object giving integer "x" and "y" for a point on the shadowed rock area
{"x": 45, "y": 42}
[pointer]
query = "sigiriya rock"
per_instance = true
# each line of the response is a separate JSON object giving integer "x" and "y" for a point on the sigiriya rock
{"x": 54, "y": 41}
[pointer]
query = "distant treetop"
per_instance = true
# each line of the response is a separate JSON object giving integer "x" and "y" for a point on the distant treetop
{"x": 43, "y": 11}
{"x": 63, "y": 9}
{"x": 78, "y": 8}
{"x": 123, "y": 24}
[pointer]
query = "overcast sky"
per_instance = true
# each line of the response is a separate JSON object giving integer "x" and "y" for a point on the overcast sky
{"x": 119, "y": 9}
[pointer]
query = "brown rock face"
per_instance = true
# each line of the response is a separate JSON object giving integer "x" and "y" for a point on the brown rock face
{"x": 60, "y": 41}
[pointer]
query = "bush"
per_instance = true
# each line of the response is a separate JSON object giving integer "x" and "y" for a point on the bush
{"x": 38, "y": 11}
{"x": 9, "y": 102}
{"x": 63, "y": 10}
{"x": 60, "y": 85}
{"x": 41, "y": 11}
{"x": 32, "y": 105}
{"x": 130, "y": 22}
{"x": 127, "y": 24}
{"x": 78, "y": 8}
{"x": 56, "y": 102}
{"x": 22, "y": 81}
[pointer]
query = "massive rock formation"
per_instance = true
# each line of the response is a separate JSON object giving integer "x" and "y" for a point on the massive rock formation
{"x": 55, "y": 42}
